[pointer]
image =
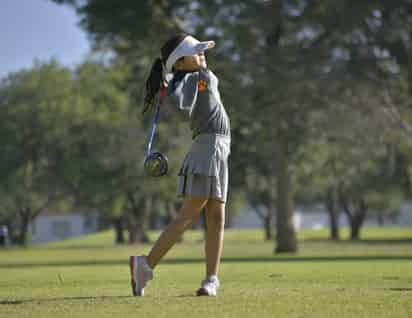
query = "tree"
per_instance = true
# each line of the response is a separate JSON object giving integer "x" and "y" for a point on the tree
{"x": 33, "y": 137}
{"x": 356, "y": 158}
{"x": 287, "y": 52}
{"x": 276, "y": 60}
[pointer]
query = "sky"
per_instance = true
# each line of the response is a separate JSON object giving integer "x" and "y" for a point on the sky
{"x": 39, "y": 29}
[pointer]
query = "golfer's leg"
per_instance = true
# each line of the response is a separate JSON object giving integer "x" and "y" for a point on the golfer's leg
{"x": 188, "y": 212}
{"x": 215, "y": 220}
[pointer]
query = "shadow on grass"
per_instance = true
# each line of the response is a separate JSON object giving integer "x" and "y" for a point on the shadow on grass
{"x": 400, "y": 289}
{"x": 45, "y": 300}
{"x": 370, "y": 241}
{"x": 114, "y": 246}
{"x": 58, "y": 299}
{"x": 187, "y": 296}
{"x": 274, "y": 259}
{"x": 77, "y": 247}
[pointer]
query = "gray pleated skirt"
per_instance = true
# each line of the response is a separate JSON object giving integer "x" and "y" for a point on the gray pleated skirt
{"x": 204, "y": 171}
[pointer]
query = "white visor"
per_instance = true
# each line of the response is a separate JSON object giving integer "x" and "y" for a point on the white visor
{"x": 189, "y": 46}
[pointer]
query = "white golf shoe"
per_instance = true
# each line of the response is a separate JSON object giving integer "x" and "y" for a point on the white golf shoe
{"x": 140, "y": 273}
{"x": 209, "y": 287}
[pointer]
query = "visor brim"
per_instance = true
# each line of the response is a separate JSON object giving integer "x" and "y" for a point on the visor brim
{"x": 200, "y": 47}
{"x": 203, "y": 46}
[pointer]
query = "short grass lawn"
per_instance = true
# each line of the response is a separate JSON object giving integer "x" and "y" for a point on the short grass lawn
{"x": 89, "y": 277}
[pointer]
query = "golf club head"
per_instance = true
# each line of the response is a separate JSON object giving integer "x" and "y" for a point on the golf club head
{"x": 156, "y": 164}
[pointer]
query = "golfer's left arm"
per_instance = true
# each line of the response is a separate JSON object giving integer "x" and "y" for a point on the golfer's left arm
{"x": 185, "y": 94}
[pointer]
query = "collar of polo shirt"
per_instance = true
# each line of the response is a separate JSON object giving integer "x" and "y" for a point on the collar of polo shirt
{"x": 189, "y": 46}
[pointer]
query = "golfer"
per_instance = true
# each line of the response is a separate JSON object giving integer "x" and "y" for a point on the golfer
{"x": 203, "y": 176}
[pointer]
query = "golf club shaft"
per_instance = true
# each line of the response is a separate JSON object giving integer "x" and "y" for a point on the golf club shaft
{"x": 162, "y": 94}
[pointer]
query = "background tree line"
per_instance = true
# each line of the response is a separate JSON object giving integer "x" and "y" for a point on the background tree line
{"x": 318, "y": 93}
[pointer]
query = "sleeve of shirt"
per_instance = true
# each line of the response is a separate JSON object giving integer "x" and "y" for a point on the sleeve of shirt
{"x": 185, "y": 94}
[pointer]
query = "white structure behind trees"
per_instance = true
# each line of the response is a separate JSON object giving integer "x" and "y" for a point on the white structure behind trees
{"x": 47, "y": 228}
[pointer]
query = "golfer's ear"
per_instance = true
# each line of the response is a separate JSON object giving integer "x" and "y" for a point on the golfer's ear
{"x": 179, "y": 63}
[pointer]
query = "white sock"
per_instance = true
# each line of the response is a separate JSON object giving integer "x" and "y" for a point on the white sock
{"x": 212, "y": 278}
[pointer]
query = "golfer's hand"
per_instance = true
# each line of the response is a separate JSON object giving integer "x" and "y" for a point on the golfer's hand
{"x": 162, "y": 93}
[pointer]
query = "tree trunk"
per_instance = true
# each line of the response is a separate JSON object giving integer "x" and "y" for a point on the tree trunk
{"x": 24, "y": 226}
{"x": 356, "y": 216}
{"x": 333, "y": 210}
{"x": 355, "y": 231}
{"x": 132, "y": 230}
{"x": 267, "y": 222}
{"x": 285, "y": 232}
{"x": 357, "y": 221}
{"x": 118, "y": 229}
{"x": 138, "y": 225}
{"x": 137, "y": 234}
{"x": 172, "y": 214}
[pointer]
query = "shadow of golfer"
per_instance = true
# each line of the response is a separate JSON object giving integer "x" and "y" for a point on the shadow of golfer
{"x": 45, "y": 300}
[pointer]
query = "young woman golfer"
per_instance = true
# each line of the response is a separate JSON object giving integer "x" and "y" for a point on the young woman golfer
{"x": 203, "y": 176}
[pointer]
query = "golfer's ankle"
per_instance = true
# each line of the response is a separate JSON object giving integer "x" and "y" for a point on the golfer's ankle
{"x": 150, "y": 262}
{"x": 212, "y": 278}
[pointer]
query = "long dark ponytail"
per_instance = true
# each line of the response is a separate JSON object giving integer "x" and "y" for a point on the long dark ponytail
{"x": 153, "y": 83}
{"x": 155, "y": 77}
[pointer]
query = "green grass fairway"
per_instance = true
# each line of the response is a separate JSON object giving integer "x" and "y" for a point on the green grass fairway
{"x": 89, "y": 277}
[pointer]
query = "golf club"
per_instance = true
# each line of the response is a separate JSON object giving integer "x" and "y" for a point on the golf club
{"x": 155, "y": 163}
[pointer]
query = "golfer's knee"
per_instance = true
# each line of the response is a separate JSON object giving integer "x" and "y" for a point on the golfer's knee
{"x": 182, "y": 223}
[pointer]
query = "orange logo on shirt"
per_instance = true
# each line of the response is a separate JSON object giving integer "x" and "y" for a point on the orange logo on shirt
{"x": 201, "y": 85}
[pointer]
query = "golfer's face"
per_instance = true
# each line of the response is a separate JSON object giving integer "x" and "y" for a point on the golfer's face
{"x": 192, "y": 62}
{"x": 201, "y": 59}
